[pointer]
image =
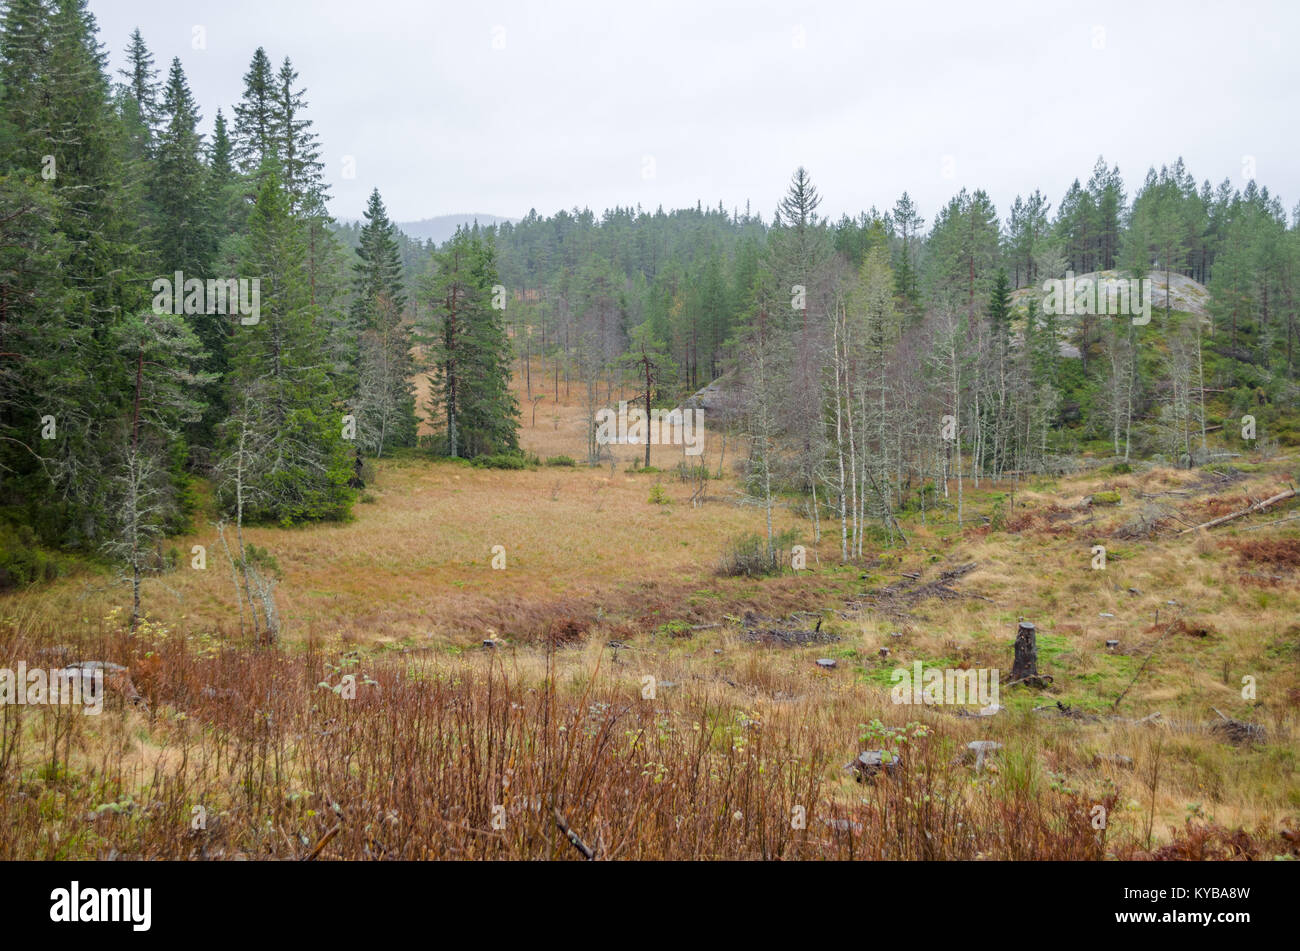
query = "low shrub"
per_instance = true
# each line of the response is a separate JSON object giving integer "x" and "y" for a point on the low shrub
{"x": 22, "y": 561}
{"x": 506, "y": 460}
{"x": 748, "y": 556}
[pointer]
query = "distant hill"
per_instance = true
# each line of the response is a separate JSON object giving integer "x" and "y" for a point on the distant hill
{"x": 444, "y": 226}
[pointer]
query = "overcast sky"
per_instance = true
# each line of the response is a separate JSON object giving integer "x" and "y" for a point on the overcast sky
{"x": 498, "y": 107}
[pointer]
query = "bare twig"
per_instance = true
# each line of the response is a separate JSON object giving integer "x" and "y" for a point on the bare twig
{"x": 325, "y": 840}
{"x": 574, "y": 839}
{"x": 1169, "y": 627}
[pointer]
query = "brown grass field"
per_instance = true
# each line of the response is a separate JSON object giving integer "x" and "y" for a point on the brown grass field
{"x": 454, "y": 750}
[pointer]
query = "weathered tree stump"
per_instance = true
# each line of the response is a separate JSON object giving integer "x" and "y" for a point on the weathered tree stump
{"x": 1024, "y": 669}
{"x": 1026, "y": 662}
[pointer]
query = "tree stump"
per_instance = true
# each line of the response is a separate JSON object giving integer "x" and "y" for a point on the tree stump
{"x": 1025, "y": 667}
{"x": 871, "y": 763}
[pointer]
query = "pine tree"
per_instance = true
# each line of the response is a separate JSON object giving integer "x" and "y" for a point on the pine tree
{"x": 715, "y": 312}
{"x": 1077, "y": 226}
{"x": 962, "y": 253}
{"x": 1107, "y": 190}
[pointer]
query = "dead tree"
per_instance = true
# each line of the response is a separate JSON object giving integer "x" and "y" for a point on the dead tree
{"x": 1254, "y": 507}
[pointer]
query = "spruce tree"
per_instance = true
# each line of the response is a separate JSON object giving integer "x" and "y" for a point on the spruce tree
{"x": 297, "y": 145}
{"x": 86, "y": 149}
{"x": 385, "y": 400}
{"x": 379, "y": 272}
{"x": 186, "y": 230}
{"x": 25, "y": 39}
{"x": 39, "y": 351}
{"x": 141, "y": 82}
{"x": 255, "y": 116}
{"x": 278, "y": 367}
{"x": 226, "y": 210}
{"x": 70, "y": 132}
{"x": 183, "y": 216}
{"x": 469, "y": 351}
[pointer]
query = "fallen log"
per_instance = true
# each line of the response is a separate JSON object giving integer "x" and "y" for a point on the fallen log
{"x": 1277, "y": 521}
{"x": 1256, "y": 507}
{"x": 1238, "y": 731}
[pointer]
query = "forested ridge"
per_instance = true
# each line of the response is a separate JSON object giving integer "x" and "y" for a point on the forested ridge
{"x": 871, "y": 363}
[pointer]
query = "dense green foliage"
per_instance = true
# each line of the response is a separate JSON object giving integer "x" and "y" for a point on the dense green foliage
{"x": 175, "y": 307}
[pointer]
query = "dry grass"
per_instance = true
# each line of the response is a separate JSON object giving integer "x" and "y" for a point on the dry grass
{"x": 738, "y": 735}
{"x": 472, "y": 756}
{"x": 417, "y": 561}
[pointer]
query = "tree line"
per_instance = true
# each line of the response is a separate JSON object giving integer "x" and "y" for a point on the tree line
{"x": 877, "y": 363}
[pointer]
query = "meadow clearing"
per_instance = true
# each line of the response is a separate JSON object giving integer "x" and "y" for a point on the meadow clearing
{"x": 548, "y": 745}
